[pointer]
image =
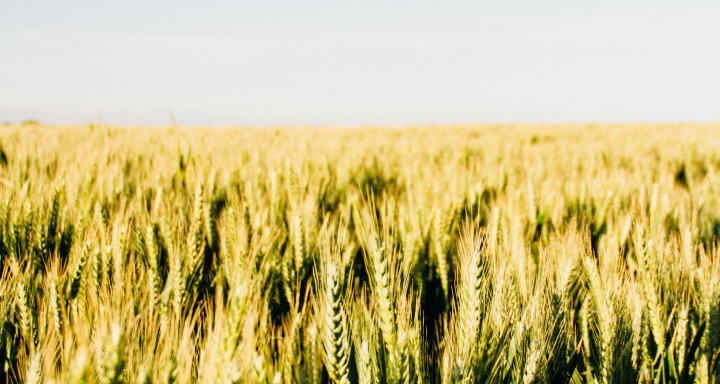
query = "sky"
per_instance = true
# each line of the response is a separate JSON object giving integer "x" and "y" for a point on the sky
{"x": 273, "y": 62}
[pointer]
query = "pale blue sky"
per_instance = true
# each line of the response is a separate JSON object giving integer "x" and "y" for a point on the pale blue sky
{"x": 359, "y": 63}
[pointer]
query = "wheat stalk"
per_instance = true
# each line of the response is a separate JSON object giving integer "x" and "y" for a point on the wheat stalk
{"x": 336, "y": 333}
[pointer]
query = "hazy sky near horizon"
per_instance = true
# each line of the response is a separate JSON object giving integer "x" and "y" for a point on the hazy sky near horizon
{"x": 359, "y": 63}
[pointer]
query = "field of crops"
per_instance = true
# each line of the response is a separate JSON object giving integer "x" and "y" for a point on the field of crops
{"x": 508, "y": 254}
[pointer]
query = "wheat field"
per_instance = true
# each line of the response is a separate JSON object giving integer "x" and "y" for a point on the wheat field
{"x": 444, "y": 254}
